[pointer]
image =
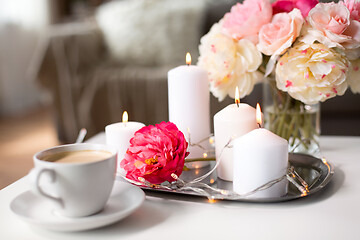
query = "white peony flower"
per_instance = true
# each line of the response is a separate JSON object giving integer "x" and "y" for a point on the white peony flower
{"x": 312, "y": 73}
{"x": 354, "y": 76}
{"x": 229, "y": 63}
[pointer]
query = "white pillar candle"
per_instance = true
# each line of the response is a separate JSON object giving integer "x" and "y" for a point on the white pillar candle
{"x": 260, "y": 157}
{"x": 119, "y": 134}
{"x": 231, "y": 122}
{"x": 189, "y": 107}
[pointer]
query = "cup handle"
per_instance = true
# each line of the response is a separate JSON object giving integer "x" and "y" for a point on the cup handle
{"x": 35, "y": 175}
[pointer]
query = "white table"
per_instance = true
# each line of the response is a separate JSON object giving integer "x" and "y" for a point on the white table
{"x": 333, "y": 213}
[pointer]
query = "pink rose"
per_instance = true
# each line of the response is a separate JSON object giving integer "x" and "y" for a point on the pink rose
{"x": 279, "y": 35}
{"x": 332, "y": 21}
{"x": 155, "y": 153}
{"x": 245, "y": 20}
{"x": 288, "y": 5}
{"x": 330, "y": 18}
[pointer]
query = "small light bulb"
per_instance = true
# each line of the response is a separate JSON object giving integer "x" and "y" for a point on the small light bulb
{"x": 211, "y": 200}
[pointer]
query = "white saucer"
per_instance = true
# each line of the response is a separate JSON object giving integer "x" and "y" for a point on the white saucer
{"x": 35, "y": 210}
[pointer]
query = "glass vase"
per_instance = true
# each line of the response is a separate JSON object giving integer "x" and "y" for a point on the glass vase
{"x": 297, "y": 122}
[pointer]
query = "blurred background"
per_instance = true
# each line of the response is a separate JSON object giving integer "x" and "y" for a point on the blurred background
{"x": 69, "y": 64}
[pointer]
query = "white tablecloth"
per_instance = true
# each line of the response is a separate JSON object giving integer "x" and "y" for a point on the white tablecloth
{"x": 333, "y": 213}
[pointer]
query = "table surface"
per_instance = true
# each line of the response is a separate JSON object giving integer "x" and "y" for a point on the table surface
{"x": 333, "y": 213}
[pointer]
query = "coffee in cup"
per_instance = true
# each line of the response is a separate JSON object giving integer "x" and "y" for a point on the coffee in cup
{"x": 78, "y": 177}
{"x": 80, "y": 156}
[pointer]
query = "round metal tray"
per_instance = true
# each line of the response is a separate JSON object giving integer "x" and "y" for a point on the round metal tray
{"x": 316, "y": 172}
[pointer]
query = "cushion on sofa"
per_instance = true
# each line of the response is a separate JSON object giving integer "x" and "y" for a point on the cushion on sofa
{"x": 151, "y": 32}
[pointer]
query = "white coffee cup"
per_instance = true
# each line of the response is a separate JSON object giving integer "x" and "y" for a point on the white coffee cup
{"x": 79, "y": 188}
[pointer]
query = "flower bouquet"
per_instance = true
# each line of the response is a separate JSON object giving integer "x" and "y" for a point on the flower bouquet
{"x": 306, "y": 51}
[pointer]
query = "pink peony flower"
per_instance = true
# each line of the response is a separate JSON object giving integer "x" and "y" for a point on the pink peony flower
{"x": 288, "y": 5}
{"x": 276, "y": 37}
{"x": 155, "y": 153}
{"x": 246, "y": 19}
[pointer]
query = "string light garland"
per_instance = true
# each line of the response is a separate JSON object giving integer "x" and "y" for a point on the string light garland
{"x": 213, "y": 193}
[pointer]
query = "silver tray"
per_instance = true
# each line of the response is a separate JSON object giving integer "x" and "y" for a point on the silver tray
{"x": 316, "y": 172}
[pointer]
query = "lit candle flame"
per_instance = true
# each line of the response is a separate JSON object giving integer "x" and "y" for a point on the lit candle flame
{"x": 188, "y": 59}
{"x": 258, "y": 115}
{"x": 237, "y": 96}
{"x": 125, "y": 117}
{"x": 205, "y": 155}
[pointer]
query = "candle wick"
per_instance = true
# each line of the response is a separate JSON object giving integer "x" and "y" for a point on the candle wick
{"x": 237, "y": 104}
{"x": 188, "y": 64}
{"x": 259, "y": 125}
